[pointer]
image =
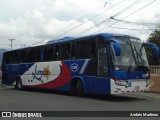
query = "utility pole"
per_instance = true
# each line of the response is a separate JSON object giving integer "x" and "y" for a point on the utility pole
{"x": 11, "y": 42}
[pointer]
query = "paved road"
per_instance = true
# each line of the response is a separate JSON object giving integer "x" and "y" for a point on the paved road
{"x": 38, "y": 100}
{"x": 11, "y": 99}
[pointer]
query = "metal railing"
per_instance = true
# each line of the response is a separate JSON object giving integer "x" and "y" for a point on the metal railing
{"x": 155, "y": 69}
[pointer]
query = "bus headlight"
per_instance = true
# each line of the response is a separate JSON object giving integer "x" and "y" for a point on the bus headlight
{"x": 120, "y": 82}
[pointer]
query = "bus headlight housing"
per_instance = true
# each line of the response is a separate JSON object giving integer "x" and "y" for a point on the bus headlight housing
{"x": 120, "y": 82}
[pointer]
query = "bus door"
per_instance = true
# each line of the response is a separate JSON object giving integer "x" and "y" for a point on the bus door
{"x": 101, "y": 84}
{"x": 102, "y": 62}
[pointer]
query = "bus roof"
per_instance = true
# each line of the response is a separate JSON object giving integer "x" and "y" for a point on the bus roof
{"x": 65, "y": 39}
{"x": 105, "y": 35}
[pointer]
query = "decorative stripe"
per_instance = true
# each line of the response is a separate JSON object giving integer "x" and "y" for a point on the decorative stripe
{"x": 84, "y": 66}
{"x": 60, "y": 81}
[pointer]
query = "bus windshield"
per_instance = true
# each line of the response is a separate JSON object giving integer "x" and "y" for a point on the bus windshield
{"x": 132, "y": 53}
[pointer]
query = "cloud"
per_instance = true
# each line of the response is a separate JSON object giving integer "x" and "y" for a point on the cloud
{"x": 29, "y": 22}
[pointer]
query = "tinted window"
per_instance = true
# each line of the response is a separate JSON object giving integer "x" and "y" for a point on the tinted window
{"x": 32, "y": 54}
{"x": 23, "y": 57}
{"x": 48, "y": 54}
{"x": 37, "y": 54}
{"x": 6, "y": 58}
{"x": 11, "y": 57}
{"x": 84, "y": 49}
{"x": 63, "y": 51}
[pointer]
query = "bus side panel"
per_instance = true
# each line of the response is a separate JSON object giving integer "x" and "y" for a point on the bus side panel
{"x": 47, "y": 75}
{"x": 54, "y": 75}
{"x": 78, "y": 67}
{"x": 10, "y": 72}
{"x": 97, "y": 85}
{"x": 7, "y": 74}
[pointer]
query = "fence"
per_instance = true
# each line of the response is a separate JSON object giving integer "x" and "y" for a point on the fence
{"x": 155, "y": 69}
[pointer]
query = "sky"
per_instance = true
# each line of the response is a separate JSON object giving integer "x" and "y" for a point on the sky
{"x": 35, "y": 21}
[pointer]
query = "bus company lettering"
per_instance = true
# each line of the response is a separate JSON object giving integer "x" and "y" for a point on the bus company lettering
{"x": 74, "y": 67}
{"x": 38, "y": 74}
{"x": 23, "y": 114}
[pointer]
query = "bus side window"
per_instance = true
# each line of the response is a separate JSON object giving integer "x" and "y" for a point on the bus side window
{"x": 62, "y": 51}
{"x": 83, "y": 49}
{"x": 9, "y": 58}
{"x": 22, "y": 56}
{"x": 13, "y": 57}
{"x": 56, "y": 52}
{"x": 93, "y": 47}
{"x": 29, "y": 55}
{"x": 65, "y": 51}
{"x": 33, "y": 54}
{"x": 37, "y": 54}
{"x": 6, "y": 57}
{"x": 86, "y": 49}
{"x": 73, "y": 50}
{"x": 48, "y": 53}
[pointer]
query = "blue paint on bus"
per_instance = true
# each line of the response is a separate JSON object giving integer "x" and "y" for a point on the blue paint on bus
{"x": 116, "y": 64}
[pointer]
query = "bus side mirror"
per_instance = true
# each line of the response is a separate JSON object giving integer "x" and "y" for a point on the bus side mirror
{"x": 116, "y": 46}
{"x": 156, "y": 49}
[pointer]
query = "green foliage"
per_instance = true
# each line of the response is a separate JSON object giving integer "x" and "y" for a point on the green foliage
{"x": 154, "y": 38}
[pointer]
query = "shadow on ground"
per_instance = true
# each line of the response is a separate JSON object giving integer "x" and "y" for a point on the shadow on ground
{"x": 114, "y": 98}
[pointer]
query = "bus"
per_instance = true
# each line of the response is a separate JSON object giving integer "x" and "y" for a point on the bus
{"x": 104, "y": 63}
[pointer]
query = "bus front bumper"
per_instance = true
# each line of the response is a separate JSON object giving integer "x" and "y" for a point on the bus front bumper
{"x": 123, "y": 86}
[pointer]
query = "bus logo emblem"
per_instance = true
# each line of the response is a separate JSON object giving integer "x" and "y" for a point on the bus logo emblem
{"x": 38, "y": 74}
{"x": 74, "y": 67}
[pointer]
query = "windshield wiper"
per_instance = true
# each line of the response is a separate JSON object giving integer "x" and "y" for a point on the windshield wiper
{"x": 142, "y": 68}
{"x": 113, "y": 55}
{"x": 134, "y": 56}
{"x": 137, "y": 54}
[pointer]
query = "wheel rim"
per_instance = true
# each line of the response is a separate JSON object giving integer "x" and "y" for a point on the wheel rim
{"x": 19, "y": 84}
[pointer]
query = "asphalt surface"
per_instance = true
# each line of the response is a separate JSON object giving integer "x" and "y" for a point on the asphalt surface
{"x": 40, "y": 100}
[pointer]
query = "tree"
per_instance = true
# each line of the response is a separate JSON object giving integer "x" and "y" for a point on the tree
{"x": 153, "y": 38}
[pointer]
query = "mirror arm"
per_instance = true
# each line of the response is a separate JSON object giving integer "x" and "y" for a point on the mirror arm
{"x": 156, "y": 49}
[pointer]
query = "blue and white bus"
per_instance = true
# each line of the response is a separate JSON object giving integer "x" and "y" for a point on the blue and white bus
{"x": 103, "y": 63}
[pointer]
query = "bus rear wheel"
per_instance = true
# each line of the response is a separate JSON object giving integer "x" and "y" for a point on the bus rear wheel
{"x": 73, "y": 90}
{"x": 80, "y": 88}
{"x": 19, "y": 84}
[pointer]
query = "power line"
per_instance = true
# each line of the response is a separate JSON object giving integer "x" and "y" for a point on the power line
{"x": 135, "y": 23}
{"x": 91, "y": 18}
{"x": 117, "y": 14}
{"x": 125, "y": 9}
{"x": 127, "y": 15}
{"x": 132, "y": 28}
{"x": 82, "y": 23}
{"x": 135, "y": 12}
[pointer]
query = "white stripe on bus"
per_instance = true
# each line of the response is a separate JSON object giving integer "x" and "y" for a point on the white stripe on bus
{"x": 84, "y": 66}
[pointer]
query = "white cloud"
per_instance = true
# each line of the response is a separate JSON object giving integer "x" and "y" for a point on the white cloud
{"x": 29, "y": 22}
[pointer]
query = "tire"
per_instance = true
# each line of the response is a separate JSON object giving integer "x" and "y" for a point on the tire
{"x": 80, "y": 88}
{"x": 74, "y": 88}
{"x": 19, "y": 85}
